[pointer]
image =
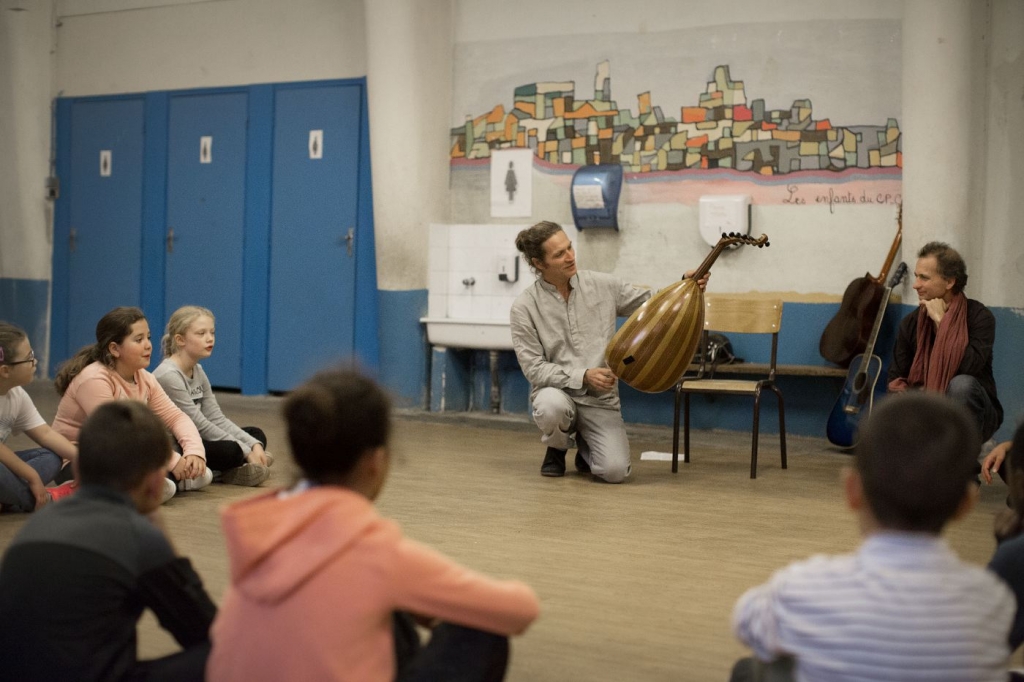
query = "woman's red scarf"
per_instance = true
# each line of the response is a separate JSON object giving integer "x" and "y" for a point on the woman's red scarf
{"x": 939, "y": 351}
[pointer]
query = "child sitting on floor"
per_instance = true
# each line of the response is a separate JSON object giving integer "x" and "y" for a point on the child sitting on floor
{"x": 76, "y": 578}
{"x": 114, "y": 368}
{"x": 320, "y": 583}
{"x": 238, "y": 453}
{"x": 24, "y": 474}
{"x": 903, "y": 606}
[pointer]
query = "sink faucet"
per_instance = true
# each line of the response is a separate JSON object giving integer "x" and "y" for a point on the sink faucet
{"x": 469, "y": 281}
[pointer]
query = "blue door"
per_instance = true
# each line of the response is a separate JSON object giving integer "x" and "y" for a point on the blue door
{"x": 313, "y": 221}
{"x": 204, "y": 237}
{"x": 105, "y": 222}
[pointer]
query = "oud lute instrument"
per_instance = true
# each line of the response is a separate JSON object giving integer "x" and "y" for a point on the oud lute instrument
{"x": 652, "y": 350}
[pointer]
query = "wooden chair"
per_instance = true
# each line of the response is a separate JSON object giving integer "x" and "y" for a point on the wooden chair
{"x": 738, "y": 315}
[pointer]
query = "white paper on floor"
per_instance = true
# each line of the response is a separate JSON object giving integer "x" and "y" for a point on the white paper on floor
{"x": 652, "y": 455}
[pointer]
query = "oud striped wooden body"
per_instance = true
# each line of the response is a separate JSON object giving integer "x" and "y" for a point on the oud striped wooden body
{"x": 655, "y": 346}
{"x": 652, "y": 350}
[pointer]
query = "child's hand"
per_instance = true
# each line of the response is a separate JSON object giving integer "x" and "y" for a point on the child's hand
{"x": 257, "y": 455}
{"x": 39, "y": 492}
{"x": 196, "y": 466}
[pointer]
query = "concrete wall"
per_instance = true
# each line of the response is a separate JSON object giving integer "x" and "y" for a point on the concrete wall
{"x": 26, "y": 216}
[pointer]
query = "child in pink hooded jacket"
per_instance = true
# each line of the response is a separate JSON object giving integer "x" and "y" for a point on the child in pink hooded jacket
{"x": 331, "y": 584}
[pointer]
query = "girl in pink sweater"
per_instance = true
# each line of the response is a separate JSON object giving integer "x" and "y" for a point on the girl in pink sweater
{"x": 114, "y": 368}
{"x": 332, "y": 585}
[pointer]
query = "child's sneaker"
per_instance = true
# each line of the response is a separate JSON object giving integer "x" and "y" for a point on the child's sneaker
{"x": 170, "y": 488}
{"x": 59, "y": 492}
{"x": 196, "y": 483}
{"x": 248, "y": 474}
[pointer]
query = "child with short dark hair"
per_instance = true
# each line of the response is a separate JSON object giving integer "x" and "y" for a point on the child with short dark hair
{"x": 903, "y": 606}
{"x": 76, "y": 579}
{"x": 329, "y": 584}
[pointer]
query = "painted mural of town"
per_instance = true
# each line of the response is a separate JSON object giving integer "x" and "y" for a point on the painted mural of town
{"x": 723, "y": 131}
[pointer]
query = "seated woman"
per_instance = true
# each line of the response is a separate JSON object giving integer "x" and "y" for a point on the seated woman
{"x": 331, "y": 584}
{"x": 24, "y": 474}
{"x": 238, "y": 453}
{"x": 114, "y": 368}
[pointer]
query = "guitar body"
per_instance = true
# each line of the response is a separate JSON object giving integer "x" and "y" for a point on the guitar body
{"x": 847, "y": 333}
{"x": 855, "y": 402}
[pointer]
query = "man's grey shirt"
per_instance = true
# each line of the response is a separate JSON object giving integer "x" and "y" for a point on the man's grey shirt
{"x": 557, "y": 341}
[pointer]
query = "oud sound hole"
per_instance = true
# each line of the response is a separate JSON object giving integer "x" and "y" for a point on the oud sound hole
{"x": 628, "y": 361}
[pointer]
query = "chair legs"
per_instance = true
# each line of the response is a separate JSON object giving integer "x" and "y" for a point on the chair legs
{"x": 757, "y": 423}
{"x": 782, "y": 424}
{"x": 686, "y": 428}
{"x": 684, "y": 398}
{"x": 675, "y": 433}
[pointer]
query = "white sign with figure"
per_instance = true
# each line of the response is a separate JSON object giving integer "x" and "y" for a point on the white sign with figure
{"x": 511, "y": 183}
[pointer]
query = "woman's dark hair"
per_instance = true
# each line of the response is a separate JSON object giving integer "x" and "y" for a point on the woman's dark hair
{"x": 530, "y": 241}
{"x": 333, "y": 420}
{"x": 951, "y": 264}
{"x": 114, "y": 327}
{"x": 9, "y": 337}
{"x": 1010, "y": 522}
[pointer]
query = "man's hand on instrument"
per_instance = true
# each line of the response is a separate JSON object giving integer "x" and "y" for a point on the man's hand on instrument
{"x": 702, "y": 282}
{"x": 600, "y": 379}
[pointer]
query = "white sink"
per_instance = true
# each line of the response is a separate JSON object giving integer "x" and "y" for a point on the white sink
{"x": 466, "y": 333}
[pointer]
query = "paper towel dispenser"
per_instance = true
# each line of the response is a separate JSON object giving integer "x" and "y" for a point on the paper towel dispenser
{"x": 595, "y": 196}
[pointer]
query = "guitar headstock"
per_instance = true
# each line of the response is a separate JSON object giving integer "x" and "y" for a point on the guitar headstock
{"x": 897, "y": 277}
{"x": 731, "y": 238}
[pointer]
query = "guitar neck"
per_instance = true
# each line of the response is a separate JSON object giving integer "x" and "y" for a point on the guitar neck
{"x": 870, "y": 348}
{"x": 884, "y": 273}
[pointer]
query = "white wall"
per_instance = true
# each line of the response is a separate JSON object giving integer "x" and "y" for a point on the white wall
{"x": 1001, "y": 279}
{"x": 499, "y": 20}
{"x": 26, "y": 69}
{"x": 409, "y": 83}
{"x": 162, "y": 46}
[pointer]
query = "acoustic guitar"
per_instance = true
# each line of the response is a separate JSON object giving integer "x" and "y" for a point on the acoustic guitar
{"x": 858, "y": 396}
{"x": 652, "y": 350}
{"x": 846, "y": 335}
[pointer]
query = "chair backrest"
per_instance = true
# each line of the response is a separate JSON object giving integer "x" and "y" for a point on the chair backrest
{"x": 742, "y": 314}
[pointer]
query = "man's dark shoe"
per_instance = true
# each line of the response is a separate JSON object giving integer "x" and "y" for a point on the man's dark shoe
{"x": 581, "y": 464}
{"x": 554, "y": 463}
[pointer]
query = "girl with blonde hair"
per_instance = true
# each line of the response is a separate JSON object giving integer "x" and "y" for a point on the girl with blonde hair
{"x": 239, "y": 453}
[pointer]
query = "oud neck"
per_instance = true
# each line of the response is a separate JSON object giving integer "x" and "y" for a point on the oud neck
{"x": 705, "y": 266}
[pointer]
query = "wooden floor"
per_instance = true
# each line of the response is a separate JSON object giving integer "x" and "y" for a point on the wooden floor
{"x": 636, "y": 581}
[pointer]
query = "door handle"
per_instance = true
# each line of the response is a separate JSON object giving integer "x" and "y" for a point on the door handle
{"x": 349, "y": 238}
{"x": 170, "y": 240}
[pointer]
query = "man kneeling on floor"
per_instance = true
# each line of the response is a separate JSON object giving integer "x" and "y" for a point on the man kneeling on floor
{"x": 76, "y": 579}
{"x": 903, "y": 606}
